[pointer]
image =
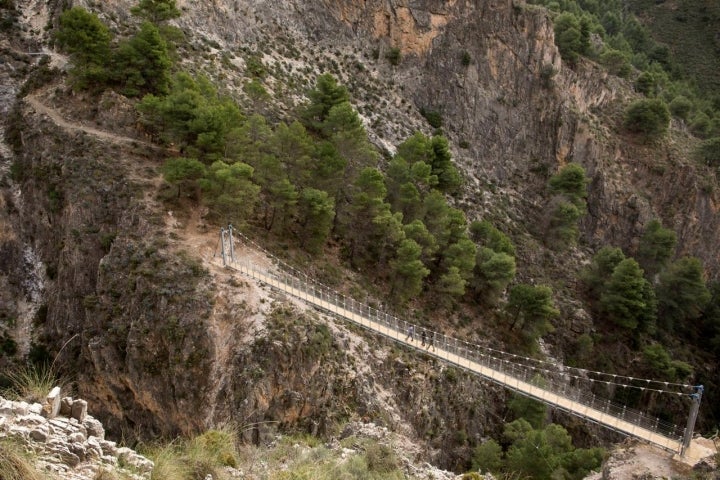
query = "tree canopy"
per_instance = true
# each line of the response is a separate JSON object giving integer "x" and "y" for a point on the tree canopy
{"x": 156, "y": 11}
{"x": 627, "y": 298}
{"x": 657, "y": 246}
{"x": 87, "y": 40}
{"x": 649, "y": 117}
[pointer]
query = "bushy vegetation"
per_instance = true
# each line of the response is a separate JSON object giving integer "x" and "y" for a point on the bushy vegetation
{"x": 532, "y": 448}
{"x": 648, "y": 117}
{"x": 30, "y": 383}
{"x": 197, "y": 457}
{"x": 627, "y": 49}
{"x": 569, "y": 187}
{"x": 135, "y": 66}
{"x": 312, "y": 180}
{"x": 655, "y": 299}
{"x": 293, "y": 457}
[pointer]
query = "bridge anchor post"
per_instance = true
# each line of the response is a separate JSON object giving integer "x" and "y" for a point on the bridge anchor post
{"x": 222, "y": 246}
{"x": 696, "y": 398}
{"x": 232, "y": 244}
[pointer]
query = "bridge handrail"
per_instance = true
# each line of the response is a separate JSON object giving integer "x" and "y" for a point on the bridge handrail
{"x": 471, "y": 352}
{"x": 304, "y": 284}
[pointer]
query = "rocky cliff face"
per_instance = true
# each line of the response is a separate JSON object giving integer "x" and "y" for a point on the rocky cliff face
{"x": 95, "y": 269}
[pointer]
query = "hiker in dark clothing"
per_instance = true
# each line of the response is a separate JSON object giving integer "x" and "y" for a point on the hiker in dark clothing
{"x": 424, "y": 337}
{"x": 431, "y": 343}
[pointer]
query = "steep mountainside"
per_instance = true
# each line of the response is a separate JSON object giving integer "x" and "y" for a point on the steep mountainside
{"x": 97, "y": 274}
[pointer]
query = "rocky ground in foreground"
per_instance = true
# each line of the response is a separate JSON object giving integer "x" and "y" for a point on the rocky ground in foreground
{"x": 66, "y": 442}
{"x": 63, "y": 441}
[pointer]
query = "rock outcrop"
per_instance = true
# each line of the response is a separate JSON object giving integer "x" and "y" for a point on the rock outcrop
{"x": 68, "y": 443}
{"x": 634, "y": 460}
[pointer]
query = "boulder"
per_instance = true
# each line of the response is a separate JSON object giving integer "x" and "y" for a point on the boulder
{"x": 79, "y": 410}
{"x": 108, "y": 448}
{"x": 131, "y": 458}
{"x": 39, "y": 435}
{"x": 35, "y": 408}
{"x": 51, "y": 407}
{"x": 94, "y": 427}
{"x": 76, "y": 437}
{"x": 66, "y": 406}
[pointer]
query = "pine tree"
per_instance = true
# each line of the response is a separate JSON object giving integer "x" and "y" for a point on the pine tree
{"x": 627, "y": 299}
{"x": 316, "y": 212}
{"x": 156, "y": 11}
{"x": 184, "y": 173}
{"x": 142, "y": 64}
{"x": 657, "y": 246}
{"x": 682, "y": 294}
{"x": 87, "y": 40}
{"x": 408, "y": 271}
{"x": 531, "y": 308}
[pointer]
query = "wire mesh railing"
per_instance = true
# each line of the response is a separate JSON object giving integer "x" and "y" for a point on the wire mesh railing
{"x": 469, "y": 356}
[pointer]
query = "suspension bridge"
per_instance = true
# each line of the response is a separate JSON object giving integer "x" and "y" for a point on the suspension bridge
{"x": 561, "y": 387}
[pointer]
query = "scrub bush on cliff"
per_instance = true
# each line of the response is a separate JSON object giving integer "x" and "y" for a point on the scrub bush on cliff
{"x": 156, "y": 11}
{"x": 142, "y": 64}
{"x": 649, "y": 117}
{"x": 87, "y": 40}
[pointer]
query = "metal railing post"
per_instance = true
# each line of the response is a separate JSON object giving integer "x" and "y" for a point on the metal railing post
{"x": 222, "y": 246}
{"x": 232, "y": 244}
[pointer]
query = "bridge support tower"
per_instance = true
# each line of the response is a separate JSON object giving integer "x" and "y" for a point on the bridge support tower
{"x": 696, "y": 398}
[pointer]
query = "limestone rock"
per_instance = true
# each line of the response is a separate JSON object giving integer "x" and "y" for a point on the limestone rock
{"x": 94, "y": 427}
{"x": 66, "y": 406}
{"x": 38, "y": 435}
{"x": 51, "y": 406}
{"x": 63, "y": 446}
{"x": 131, "y": 458}
{"x": 108, "y": 448}
{"x": 76, "y": 437}
{"x": 79, "y": 410}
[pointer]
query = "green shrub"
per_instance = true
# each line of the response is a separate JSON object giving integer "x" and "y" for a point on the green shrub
{"x": 487, "y": 457}
{"x": 681, "y": 107}
{"x": 646, "y": 84}
{"x": 197, "y": 457}
{"x": 380, "y": 458}
{"x": 571, "y": 36}
{"x": 255, "y": 67}
{"x": 649, "y": 117}
{"x": 393, "y": 56}
{"x": 701, "y": 125}
{"x": 547, "y": 74}
{"x": 563, "y": 229}
{"x": 571, "y": 182}
{"x": 433, "y": 117}
{"x": 87, "y": 40}
{"x": 709, "y": 152}
{"x": 616, "y": 62}
{"x": 31, "y": 383}
{"x": 156, "y": 11}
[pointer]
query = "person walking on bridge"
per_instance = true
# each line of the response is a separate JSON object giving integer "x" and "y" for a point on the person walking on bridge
{"x": 411, "y": 333}
{"x": 431, "y": 341}
{"x": 424, "y": 337}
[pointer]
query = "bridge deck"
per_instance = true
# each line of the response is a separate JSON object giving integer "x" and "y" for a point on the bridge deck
{"x": 502, "y": 378}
